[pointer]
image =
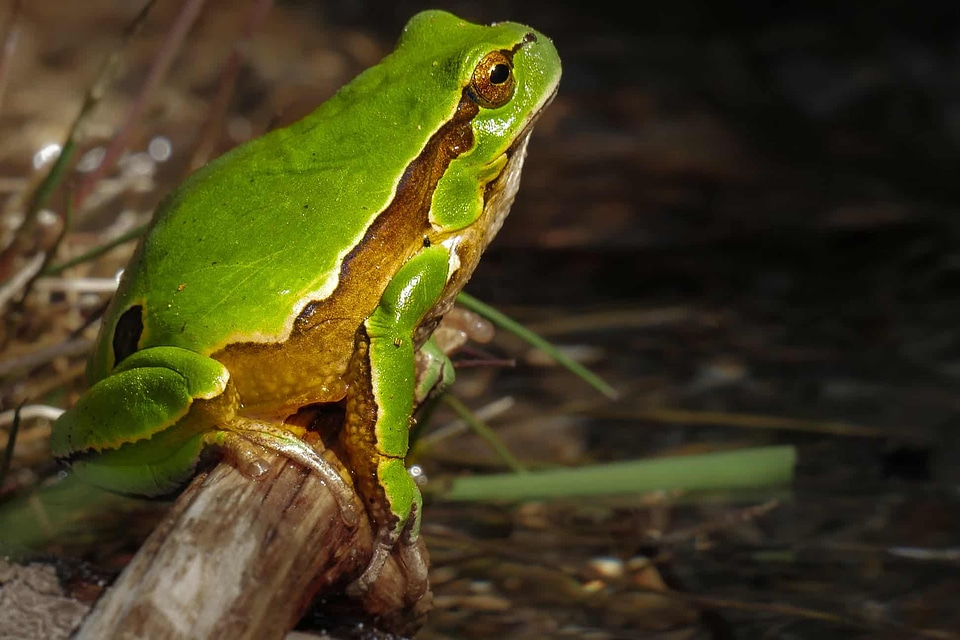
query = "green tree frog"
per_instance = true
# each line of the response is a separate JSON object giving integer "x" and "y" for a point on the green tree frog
{"x": 309, "y": 267}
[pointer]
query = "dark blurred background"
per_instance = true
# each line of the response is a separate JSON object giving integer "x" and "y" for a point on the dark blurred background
{"x": 733, "y": 209}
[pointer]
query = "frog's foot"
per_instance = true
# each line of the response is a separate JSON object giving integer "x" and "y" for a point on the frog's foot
{"x": 381, "y": 551}
{"x": 414, "y": 564}
{"x": 287, "y": 444}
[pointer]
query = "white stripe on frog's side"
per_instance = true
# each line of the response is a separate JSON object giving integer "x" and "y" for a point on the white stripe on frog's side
{"x": 451, "y": 244}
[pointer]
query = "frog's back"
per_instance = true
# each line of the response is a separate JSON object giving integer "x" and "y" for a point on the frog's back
{"x": 248, "y": 241}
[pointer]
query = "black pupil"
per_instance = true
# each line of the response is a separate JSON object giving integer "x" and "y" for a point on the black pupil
{"x": 499, "y": 74}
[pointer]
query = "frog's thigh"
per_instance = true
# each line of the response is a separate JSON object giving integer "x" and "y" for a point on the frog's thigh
{"x": 145, "y": 395}
{"x": 135, "y": 431}
{"x": 154, "y": 467}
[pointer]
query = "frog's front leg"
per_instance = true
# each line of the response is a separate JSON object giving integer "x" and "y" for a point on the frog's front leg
{"x": 141, "y": 429}
{"x": 380, "y": 404}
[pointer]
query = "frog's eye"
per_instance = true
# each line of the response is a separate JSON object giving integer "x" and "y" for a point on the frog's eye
{"x": 493, "y": 82}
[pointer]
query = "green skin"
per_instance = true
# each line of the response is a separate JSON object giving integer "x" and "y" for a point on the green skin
{"x": 308, "y": 267}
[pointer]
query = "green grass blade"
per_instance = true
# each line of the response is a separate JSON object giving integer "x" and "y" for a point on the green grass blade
{"x": 508, "y": 324}
{"x": 68, "y": 507}
{"x": 744, "y": 469}
{"x": 489, "y": 435}
{"x": 96, "y": 252}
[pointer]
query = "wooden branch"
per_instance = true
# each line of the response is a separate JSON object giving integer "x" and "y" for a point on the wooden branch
{"x": 243, "y": 558}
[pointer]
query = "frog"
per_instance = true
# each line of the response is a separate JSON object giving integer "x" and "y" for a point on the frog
{"x": 309, "y": 267}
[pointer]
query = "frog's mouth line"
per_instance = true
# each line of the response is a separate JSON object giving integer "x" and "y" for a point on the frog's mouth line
{"x": 500, "y": 192}
{"x": 531, "y": 121}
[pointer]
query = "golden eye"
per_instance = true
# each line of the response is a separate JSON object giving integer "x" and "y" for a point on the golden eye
{"x": 493, "y": 82}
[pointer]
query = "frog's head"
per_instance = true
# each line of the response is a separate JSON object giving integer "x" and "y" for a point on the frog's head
{"x": 502, "y": 76}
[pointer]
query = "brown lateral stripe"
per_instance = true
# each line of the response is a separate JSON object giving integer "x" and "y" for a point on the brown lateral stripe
{"x": 400, "y": 229}
{"x": 277, "y": 379}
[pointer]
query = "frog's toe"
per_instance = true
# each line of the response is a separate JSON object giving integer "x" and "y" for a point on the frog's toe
{"x": 245, "y": 455}
{"x": 381, "y": 552}
{"x": 415, "y": 565}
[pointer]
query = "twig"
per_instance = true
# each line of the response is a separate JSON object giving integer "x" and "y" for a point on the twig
{"x": 15, "y": 284}
{"x": 241, "y": 558}
{"x": 29, "y": 412}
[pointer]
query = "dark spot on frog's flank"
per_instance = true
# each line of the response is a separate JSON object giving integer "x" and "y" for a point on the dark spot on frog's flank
{"x": 127, "y": 334}
{"x": 426, "y": 242}
{"x": 306, "y": 206}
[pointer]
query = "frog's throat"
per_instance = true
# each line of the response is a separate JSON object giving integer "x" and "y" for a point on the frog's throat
{"x": 500, "y": 192}
{"x": 468, "y": 244}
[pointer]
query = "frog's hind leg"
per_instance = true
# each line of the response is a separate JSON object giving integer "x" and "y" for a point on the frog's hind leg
{"x": 380, "y": 404}
{"x": 242, "y": 432}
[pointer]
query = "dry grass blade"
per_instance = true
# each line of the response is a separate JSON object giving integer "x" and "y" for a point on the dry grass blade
{"x": 805, "y": 613}
{"x": 207, "y": 138}
{"x": 161, "y": 64}
{"x": 40, "y": 198}
{"x": 756, "y": 421}
{"x": 9, "y": 38}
